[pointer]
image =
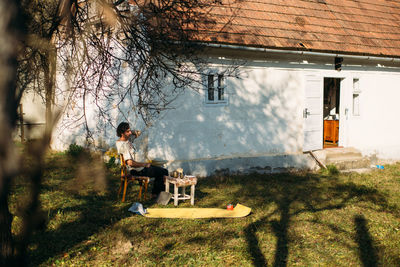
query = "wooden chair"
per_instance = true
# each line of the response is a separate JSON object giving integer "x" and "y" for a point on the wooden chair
{"x": 126, "y": 178}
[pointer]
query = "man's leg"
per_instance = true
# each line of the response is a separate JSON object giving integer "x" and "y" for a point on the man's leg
{"x": 158, "y": 174}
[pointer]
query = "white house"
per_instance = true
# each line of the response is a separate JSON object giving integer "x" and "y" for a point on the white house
{"x": 314, "y": 75}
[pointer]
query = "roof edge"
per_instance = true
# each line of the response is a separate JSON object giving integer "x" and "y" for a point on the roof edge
{"x": 303, "y": 52}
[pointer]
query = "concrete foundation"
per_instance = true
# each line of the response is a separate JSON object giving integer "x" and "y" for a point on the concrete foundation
{"x": 261, "y": 164}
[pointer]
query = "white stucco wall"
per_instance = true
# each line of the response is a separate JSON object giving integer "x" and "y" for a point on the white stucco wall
{"x": 377, "y": 129}
{"x": 34, "y": 110}
{"x": 261, "y": 126}
{"x": 69, "y": 130}
{"x": 263, "y": 116}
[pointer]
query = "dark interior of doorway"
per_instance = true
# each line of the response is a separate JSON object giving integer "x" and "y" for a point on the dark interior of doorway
{"x": 331, "y": 111}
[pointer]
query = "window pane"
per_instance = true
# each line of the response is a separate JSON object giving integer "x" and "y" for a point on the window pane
{"x": 356, "y": 85}
{"x": 220, "y": 87}
{"x": 356, "y": 104}
{"x": 211, "y": 87}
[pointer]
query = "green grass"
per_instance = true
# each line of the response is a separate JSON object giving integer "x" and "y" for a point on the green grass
{"x": 297, "y": 219}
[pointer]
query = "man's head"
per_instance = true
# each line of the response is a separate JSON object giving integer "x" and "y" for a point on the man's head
{"x": 123, "y": 129}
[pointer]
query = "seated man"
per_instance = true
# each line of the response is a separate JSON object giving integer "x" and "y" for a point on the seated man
{"x": 125, "y": 147}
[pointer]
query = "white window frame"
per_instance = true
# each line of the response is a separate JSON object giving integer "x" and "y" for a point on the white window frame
{"x": 218, "y": 85}
{"x": 356, "y": 97}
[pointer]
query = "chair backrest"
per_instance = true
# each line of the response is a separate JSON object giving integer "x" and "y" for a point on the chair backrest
{"x": 124, "y": 172}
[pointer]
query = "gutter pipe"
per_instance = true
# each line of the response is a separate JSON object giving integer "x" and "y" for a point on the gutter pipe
{"x": 310, "y": 53}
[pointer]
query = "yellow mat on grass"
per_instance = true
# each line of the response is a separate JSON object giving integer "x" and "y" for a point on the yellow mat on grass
{"x": 195, "y": 213}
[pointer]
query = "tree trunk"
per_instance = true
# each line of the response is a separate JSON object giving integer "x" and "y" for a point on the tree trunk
{"x": 12, "y": 30}
{"x": 6, "y": 240}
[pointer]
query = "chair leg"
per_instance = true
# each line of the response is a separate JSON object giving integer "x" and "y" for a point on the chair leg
{"x": 124, "y": 193}
{"x": 120, "y": 188}
{"x": 140, "y": 191}
{"x": 146, "y": 183}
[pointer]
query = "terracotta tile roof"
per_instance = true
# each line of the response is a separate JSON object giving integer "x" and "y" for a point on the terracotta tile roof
{"x": 366, "y": 27}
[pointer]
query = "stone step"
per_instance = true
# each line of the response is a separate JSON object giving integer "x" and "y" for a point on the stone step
{"x": 332, "y": 157}
{"x": 343, "y": 158}
{"x": 334, "y": 153}
{"x": 351, "y": 163}
{"x": 329, "y": 160}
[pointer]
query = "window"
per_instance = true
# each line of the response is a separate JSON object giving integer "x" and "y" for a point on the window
{"x": 215, "y": 93}
{"x": 210, "y": 87}
{"x": 356, "y": 97}
{"x": 220, "y": 87}
{"x": 356, "y": 104}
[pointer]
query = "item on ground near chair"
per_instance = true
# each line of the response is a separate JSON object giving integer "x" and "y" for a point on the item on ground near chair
{"x": 181, "y": 183}
{"x": 137, "y": 208}
{"x": 126, "y": 178}
{"x": 196, "y": 213}
{"x": 229, "y": 207}
{"x": 163, "y": 198}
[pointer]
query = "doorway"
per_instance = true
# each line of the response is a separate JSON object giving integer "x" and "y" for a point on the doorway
{"x": 331, "y": 112}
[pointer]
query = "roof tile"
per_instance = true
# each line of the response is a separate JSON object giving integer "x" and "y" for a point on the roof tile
{"x": 370, "y": 27}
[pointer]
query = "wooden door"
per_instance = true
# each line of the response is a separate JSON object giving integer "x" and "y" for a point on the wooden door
{"x": 313, "y": 113}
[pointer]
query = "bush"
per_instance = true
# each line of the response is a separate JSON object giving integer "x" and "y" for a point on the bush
{"x": 75, "y": 151}
{"x": 331, "y": 169}
{"x": 111, "y": 163}
{"x": 111, "y": 156}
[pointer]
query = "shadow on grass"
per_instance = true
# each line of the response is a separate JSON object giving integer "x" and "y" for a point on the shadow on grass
{"x": 368, "y": 253}
{"x": 284, "y": 196}
{"x": 253, "y": 247}
{"x": 93, "y": 211}
{"x": 292, "y": 195}
{"x": 96, "y": 212}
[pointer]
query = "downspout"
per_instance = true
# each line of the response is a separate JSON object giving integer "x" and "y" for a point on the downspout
{"x": 310, "y": 53}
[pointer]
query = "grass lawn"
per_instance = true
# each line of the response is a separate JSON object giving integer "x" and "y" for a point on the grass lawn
{"x": 297, "y": 219}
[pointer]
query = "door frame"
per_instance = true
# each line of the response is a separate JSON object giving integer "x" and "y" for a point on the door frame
{"x": 344, "y": 110}
{"x": 345, "y": 104}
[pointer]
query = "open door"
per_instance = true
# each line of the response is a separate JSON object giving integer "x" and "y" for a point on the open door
{"x": 331, "y": 111}
{"x": 313, "y": 113}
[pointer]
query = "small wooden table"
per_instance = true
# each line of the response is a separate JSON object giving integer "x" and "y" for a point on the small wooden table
{"x": 181, "y": 182}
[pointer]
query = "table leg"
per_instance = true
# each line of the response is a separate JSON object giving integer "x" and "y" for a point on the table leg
{"x": 175, "y": 195}
{"x": 192, "y": 194}
{"x": 166, "y": 186}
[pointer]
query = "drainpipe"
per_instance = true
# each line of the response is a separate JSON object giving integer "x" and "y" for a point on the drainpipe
{"x": 310, "y": 53}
